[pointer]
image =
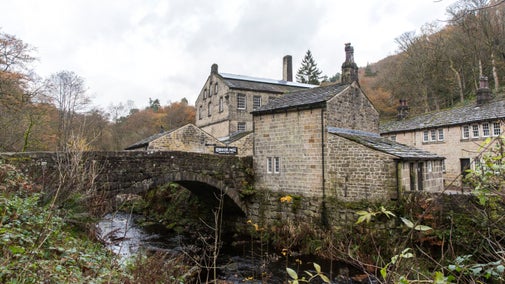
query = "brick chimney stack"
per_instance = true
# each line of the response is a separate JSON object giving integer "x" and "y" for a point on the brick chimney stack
{"x": 349, "y": 67}
{"x": 484, "y": 94}
{"x": 287, "y": 68}
{"x": 403, "y": 109}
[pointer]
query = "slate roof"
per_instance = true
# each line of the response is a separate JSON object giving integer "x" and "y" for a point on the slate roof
{"x": 374, "y": 141}
{"x": 145, "y": 142}
{"x": 303, "y": 98}
{"x": 236, "y": 136}
{"x": 455, "y": 116}
{"x": 242, "y": 82}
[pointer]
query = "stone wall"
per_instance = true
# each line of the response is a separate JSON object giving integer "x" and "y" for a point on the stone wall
{"x": 356, "y": 172}
{"x": 135, "y": 171}
{"x": 352, "y": 110}
{"x": 244, "y": 145}
{"x": 295, "y": 138}
{"x": 188, "y": 138}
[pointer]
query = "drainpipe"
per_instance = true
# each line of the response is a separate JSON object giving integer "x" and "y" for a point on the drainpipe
{"x": 324, "y": 216}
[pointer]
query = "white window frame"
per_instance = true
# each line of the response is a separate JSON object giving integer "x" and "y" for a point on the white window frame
{"x": 426, "y": 136}
{"x": 496, "y": 128}
{"x": 465, "y": 131}
{"x": 277, "y": 165}
{"x": 256, "y": 102}
{"x": 433, "y": 135}
{"x": 475, "y": 131}
{"x": 441, "y": 135}
{"x": 486, "y": 128}
{"x": 269, "y": 165}
{"x": 241, "y": 101}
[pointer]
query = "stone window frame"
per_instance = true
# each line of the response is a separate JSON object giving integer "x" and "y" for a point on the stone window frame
{"x": 205, "y": 93}
{"x": 210, "y": 89}
{"x": 241, "y": 101}
{"x": 256, "y": 102}
{"x": 241, "y": 126}
{"x": 200, "y": 111}
{"x": 209, "y": 109}
{"x": 215, "y": 89}
{"x": 496, "y": 128}
{"x": 486, "y": 129}
{"x": 221, "y": 107}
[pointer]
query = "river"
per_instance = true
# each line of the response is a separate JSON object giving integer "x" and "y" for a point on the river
{"x": 125, "y": 237}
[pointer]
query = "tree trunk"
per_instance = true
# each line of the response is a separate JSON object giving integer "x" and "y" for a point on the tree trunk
{"x": 495, "y": 73}
{"x": 458, "y": 79}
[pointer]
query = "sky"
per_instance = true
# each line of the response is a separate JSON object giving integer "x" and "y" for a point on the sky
{"x": 163, "y": 49}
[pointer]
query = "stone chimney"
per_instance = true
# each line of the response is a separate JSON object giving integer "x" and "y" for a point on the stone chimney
{"x": 403, "y": 109}
{"x": 213, "y": 69}
{"x": 287, "y": 68}
{"x": 484, "y": 94}
{"x": 349, "y": 68}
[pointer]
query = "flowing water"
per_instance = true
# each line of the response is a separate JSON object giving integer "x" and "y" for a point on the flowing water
{"x": 125, "y": 238}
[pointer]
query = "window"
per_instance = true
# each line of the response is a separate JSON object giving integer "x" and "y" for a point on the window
{"x": 209, "y": 109}
{"x": 441, "y": 134}
{"x": 241, "y": 127}
{"x": 200, "y": 109}
{"x": 475, "y": 130}
{"x": 256, "y": 102}
{"x": 496, "y": 129}
{"x": 269, "y": 164}
{"x": 433, "y": 135}
{"x": 465, "y": 131}
{"x": 392, "y": 137}
{"x": 241, "y": 102}
{"x": 485, "y": 129}
{"x": 210, "y": 89}
{"x": 277, "y": 165}
{"x": 273, "y": 165}
{"x": 443, "y": 166}
{"x": 215, "y": 89}
{"x": 205, "y": 93}
{"x": 220, "y": 104}
{"x": 426, "y": 136}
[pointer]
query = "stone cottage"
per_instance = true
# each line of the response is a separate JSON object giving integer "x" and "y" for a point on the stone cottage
{"x": 455, "y": 134}
{"x": 226, "y": 101}
{"x": 325, "y": 142}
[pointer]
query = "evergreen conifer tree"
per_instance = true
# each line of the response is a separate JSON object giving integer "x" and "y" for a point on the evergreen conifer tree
{"x": 308, "y": 72}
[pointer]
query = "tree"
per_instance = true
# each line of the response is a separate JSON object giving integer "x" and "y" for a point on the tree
{"x": 308, "y": 72}
{"x": 18, "y": 89}
{"x": 68, "y": 93}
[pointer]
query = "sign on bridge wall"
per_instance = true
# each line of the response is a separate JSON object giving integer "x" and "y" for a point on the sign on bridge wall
{"x": 225, "y": 150}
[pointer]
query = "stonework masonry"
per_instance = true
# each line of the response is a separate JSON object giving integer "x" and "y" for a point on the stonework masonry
{"x": 352, "y": 110}
{"x": 356, "y": 172}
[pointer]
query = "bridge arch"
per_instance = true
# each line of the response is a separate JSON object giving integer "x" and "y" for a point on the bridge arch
{"x": 201, "y": 185}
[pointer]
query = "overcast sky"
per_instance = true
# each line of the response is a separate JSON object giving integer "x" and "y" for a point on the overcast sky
{"x": 141, "y": 49}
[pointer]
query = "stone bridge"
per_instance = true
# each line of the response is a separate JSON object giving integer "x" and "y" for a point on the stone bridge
{"x": 139, "y": 171}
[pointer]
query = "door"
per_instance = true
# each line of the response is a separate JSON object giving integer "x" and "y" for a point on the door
{"x": 420, "y": 175}
{"x": 465, "y": 165}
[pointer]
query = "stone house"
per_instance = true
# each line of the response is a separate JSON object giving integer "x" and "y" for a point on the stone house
{"x": 455, "y": 134}
{"x": 189, "y": 138}
{"x": 325, "y": 142}
{"x": 226, "y": 101}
